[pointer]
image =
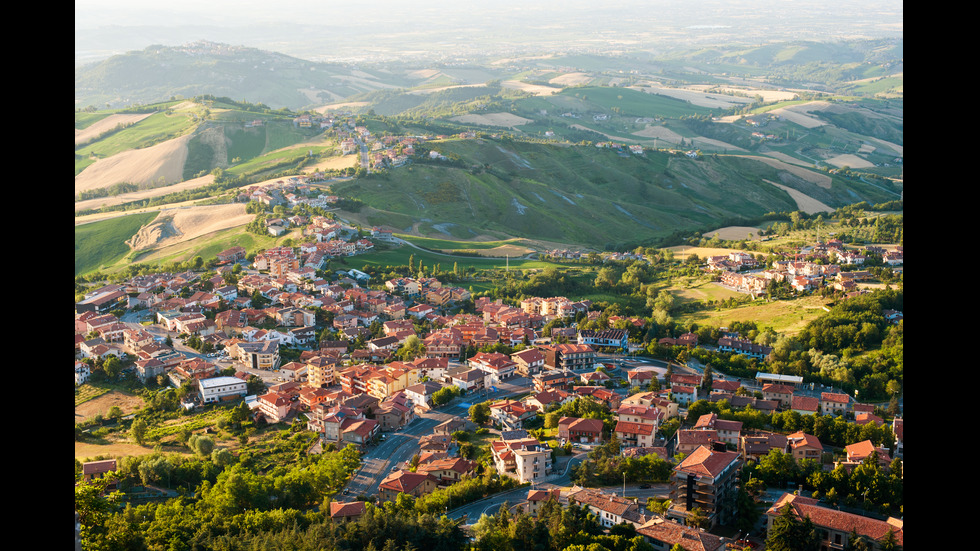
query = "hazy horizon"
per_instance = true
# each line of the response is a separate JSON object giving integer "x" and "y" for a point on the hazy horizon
{"x": 443, "y": 29}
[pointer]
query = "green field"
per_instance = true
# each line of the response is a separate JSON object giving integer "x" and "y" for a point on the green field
{"x": 103, "y": 243}
{"x": 633, "y": 103}
{"x": 444, "y": 244}
{"x": 784, "y": 316}
{"x": 152, "y": 130}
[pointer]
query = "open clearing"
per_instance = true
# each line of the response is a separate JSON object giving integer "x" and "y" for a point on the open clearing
{"x": 84, "y": 450}
{"x": 493, "y": 119}
{"x": 341, "y": 106}
{"x": 101, "y": 405}
{"x": 852, "y": 161}
{"x": 164, "y": 161}
{"x": 571, "y": 79}
{"x": 811, "y": 176}
{"x": 172, "y": 226}
{"x": 334, "y": 163}
{"x": 194, "y": 183}
{"x": 512, "y": 251}
{"x": 804, "y": 202}
{"x": 734, "y": 233}
{"x": 787, "y": 317}
{"x": 800, "y": 114}
{"x": 778, "y": 155}
{"x": 660, "y": 133}
{"x": 683, "y": 252}
{"x": 107, "y": 124}
{"x": 536, "y": 89}
{"x": 695, "y": 97}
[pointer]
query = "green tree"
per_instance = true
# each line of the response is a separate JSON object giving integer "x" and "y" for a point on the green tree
{"x": 138, "y": 430}
{"x": 788, "y": 533}
{"x": 480, "y": 413}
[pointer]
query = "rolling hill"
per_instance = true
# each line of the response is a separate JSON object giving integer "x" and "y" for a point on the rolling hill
{"x": 597, "y": 197}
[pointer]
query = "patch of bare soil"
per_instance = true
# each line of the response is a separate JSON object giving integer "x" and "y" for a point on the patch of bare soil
{"x": 174, "y": 225}
{"x": 89, "y": 409}
{"x": 804, "y": 202}
{"x": 163, "y": 162}
{"x": 571, "y": 79}
{"x": 850, "y": 160}
{"x": 536, "y": 89}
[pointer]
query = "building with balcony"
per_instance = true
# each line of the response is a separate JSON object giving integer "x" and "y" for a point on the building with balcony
{"x": 706, "y": 479}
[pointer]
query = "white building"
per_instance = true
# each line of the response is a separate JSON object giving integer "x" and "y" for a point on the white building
{"x": 217, "y": 389}
{"x": 82, "y": 372}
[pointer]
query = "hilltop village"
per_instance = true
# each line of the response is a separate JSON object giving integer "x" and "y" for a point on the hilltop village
{"x": 355, "y": 361}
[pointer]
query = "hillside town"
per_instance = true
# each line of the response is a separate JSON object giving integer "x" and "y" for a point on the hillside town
{"x": 354, "y": 361}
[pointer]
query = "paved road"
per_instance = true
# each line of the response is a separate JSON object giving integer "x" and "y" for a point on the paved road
{"x": 397, "y": 447}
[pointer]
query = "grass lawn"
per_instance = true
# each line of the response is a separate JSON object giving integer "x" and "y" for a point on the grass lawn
{"x": 784, "y": 316}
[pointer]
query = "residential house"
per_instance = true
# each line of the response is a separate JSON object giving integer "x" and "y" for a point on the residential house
{"x": 524, "y": 459}
{"x": 613, "y": 338}
{"x": 633, "y": 435}
{"x": 406, "y": 482}
{"x": 757, "y": 445}
{"x": 543, "y": 399}
{"x": 471, "y": 379}
{"x": 805, "y": 405}
{"x": 274, "y": 406}
{"x": 553, "y": 379}
{"x": 94, "y": 470}
{"x": 729, "y": 432}
{"x": 663, "y": 535}
{"x": 585, "y": 431}
{"x": 689, "y": 440}
{"x": 804, "y": 446}
{"x": 447, "y": 470}
{"x": 537, "y": 498}
{"x": 859, "y": 451}
{"x": 511, "y": 414}
{"x": 569, "y": 356}
{"x": 420, "y": 395}
{"x": 529, "y": 361}
{"x": 344, "y": 512}
{"x": 684, "y": 394}
{"x": 360, "y": 432}
{"x": 834, "y": 526}
{"x": 609, "y": 509}
{"x": 833, "y": 403}
{"x": 780, "y": 393}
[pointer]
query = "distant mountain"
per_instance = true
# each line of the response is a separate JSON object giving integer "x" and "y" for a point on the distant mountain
{"x": 158, "y": 73}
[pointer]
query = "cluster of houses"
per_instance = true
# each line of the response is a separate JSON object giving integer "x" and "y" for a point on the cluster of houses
{"x": 352, "y": 394}
{"x": 822, "y": 268}
{"x": 566, "y": 254}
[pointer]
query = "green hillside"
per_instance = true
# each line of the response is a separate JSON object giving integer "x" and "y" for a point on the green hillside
{"x": 578, "y": 194}
{"x": 103, "y": 243}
